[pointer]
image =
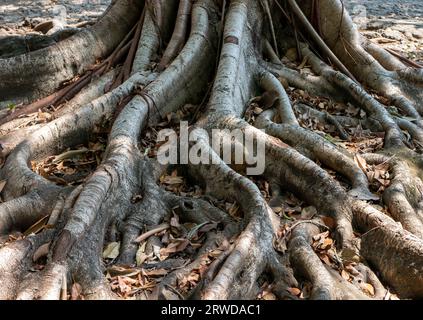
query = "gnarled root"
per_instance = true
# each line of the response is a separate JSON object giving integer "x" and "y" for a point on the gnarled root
{"x": 344, "y": 249}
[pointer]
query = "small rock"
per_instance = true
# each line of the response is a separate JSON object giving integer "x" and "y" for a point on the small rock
{"x": 376, "y": 25}
{"x": 408, "y": 34}
{"x": 418, "y": 34}
{"x": 393, "y": 34}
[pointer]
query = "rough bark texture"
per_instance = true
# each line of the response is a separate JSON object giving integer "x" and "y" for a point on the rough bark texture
{"x": 216, "y": 55}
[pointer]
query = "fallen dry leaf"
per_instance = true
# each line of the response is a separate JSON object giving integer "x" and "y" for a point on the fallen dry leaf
{"x": 141, "y": 257}
{"x": 327, "y": 243}
{"x": 115, "y": 271}
{"x": 173, "y": 180}
{"x": 277, "y": 209}
{"x": 155, "y": 272}
{"x": 177, "y": 245}
{"x": 37, "y": 227}
{"x": 321, "y": 236}
{"x": 294, "y": 291}
{"x": 42, "y": 251}
{"x": 174, "y": 221}
{"x": 325, "y": 258}
{"x": 328, "y": 221}
{"x": 345, "y": 275}
{"x": 361, "y": 162}
{"x": 111, "y": 251}
{"x": 367, "y": 288}
{"x": 190, "y": 281}
{"x": 268, "y": 296}
{"x": 76, "y": 292}
{"x": 308, "y": 213}
{"x": 2, "y": 185}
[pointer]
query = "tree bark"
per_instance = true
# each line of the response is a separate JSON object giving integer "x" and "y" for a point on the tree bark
{"x": 130, "y": 72}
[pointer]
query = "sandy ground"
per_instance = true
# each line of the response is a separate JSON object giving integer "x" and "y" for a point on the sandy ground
{"x": 22, "y": 13}
{"x": 394, "y": 8}
{"x": 397, "y": 25}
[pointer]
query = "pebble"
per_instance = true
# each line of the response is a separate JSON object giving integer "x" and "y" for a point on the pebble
{"x": 393, "y": 34}
{"x": 418, "y": 33}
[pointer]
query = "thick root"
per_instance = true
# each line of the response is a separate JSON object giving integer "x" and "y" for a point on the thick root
{"x": 238, "y": 254}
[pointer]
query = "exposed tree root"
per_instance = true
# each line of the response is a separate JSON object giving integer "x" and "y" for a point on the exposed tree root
{"x": 15, "y": 45}
{"x": 178, "y": 38}
{"x": 395, "y": 252}
{"x": 327, "y": 283}
{"x": 345, "y": 249}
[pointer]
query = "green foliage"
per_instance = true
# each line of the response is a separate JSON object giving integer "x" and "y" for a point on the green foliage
{"x": 11, "y": 106}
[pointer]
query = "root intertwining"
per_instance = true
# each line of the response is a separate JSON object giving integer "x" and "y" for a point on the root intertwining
{"x": 168, "y": 54}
